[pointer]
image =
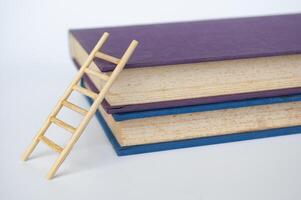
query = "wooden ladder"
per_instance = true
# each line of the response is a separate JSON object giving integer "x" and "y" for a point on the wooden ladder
{"x": 88, "y": 114}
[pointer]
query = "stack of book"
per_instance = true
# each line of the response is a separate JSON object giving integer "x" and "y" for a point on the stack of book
{"x": 197, "y": 83}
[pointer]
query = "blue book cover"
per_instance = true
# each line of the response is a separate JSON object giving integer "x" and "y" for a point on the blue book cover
{"x": 145, "y": 148}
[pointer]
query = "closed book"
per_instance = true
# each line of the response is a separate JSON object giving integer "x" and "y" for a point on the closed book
{"x": 199, "y": 62}
{"x": 134, "y": 135}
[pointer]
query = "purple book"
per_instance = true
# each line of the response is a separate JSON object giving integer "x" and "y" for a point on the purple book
{"x": 198, "y": 41}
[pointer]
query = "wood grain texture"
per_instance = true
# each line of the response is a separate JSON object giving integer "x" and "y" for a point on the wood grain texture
{"x": 156, "y": 84}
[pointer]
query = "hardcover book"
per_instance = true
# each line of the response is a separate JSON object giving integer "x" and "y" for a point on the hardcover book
{"x": 200, "y": 62}
{"x": 141, "y": 135}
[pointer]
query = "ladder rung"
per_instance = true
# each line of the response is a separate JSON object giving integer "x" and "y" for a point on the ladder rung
{"x": 85, "y": 91}
{"x": 51, "y": 144}
{"x": 75, "y": 107}
{"x": 62, "y": 124}
{"x": 98, "y": 74}
{"x": 107, "y": 57}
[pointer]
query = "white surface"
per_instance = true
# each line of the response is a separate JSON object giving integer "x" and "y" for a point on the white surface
{"x": 35, "y": 69}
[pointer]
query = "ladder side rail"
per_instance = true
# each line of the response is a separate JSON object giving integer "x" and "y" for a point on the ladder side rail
{"x": 66, "y": 94}
{"x": 93, "y": 109}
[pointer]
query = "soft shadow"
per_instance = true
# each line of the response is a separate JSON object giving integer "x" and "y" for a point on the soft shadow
{"x": 88, "y": 159}
{"x": 36, "y": 155}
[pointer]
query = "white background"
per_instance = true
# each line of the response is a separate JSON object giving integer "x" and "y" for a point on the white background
{"x": 36, "y": 68}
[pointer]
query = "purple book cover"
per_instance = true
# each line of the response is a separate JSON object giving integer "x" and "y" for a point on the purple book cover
{"x": 198, "y": 41}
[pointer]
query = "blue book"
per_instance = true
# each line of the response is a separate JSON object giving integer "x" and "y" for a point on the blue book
{"x": 128, "y": 149}
{"x": 145, "y": 148}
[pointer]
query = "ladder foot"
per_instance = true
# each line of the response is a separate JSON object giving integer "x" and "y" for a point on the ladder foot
{"x": 24, "y": 157}
{"x": 49, "y": 176}
{"x": 29, "y": 150}
{"x": 60, "y": 160}
{"x": 53, "y": 170}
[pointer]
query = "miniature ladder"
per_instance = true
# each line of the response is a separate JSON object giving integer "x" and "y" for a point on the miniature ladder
{"x": 88, "y": 114}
